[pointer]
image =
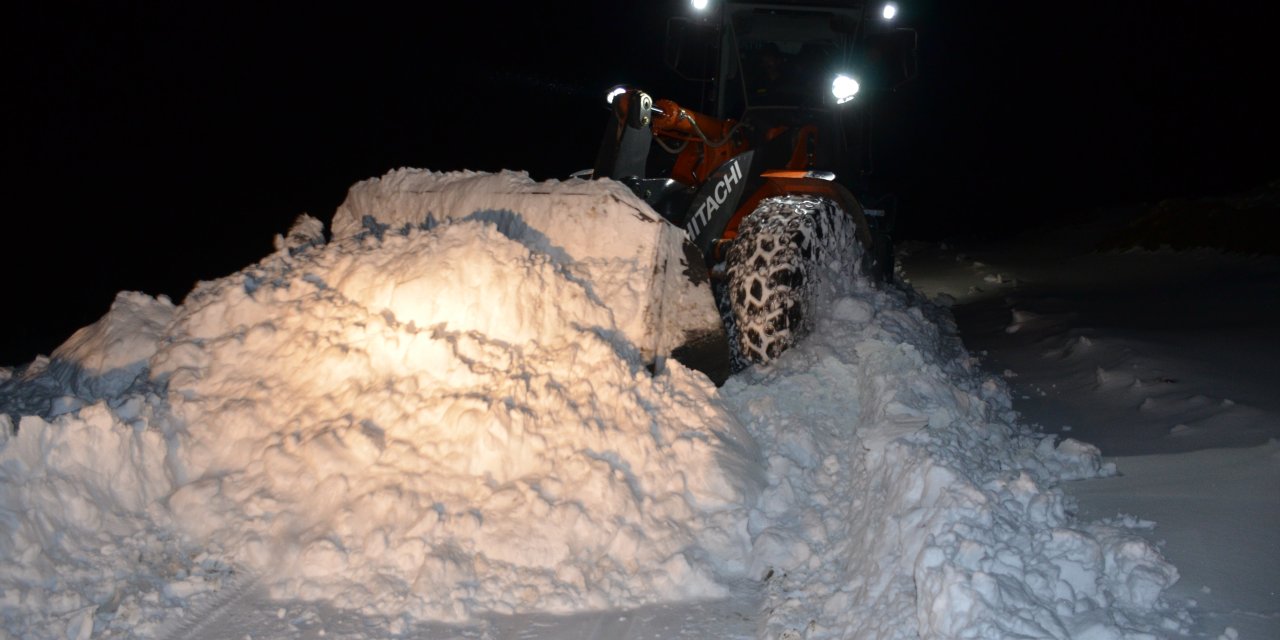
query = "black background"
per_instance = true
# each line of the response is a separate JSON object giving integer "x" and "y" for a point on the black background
{"x": 157, "y": 144}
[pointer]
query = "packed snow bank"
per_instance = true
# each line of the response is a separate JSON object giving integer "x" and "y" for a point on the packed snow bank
{"x": 905, "y": 501}
{"x": 452, "y": 419}
{"x": 430, "y": 424}
{"x": 449, "y": 420}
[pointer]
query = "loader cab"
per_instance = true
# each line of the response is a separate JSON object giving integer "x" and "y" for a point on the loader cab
{"x": 798, "y": 73}
{"x": 778, "y": 66}
{"x": 783, "y": 59}
{"x": 789, "y": 53}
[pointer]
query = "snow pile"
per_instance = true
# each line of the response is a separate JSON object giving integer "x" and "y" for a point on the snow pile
{"x": 904, "y": 501}
{"x": 447, "y": 416}
{"x": 467, "y": 435}
{"x": 430, "y": 424}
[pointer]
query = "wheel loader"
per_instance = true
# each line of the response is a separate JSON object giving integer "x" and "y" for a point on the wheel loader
{"x": 762, "y": 176}
{"x": 724, "y": 217}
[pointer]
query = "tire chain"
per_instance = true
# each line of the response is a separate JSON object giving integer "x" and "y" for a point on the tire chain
{"x": 775, "y": 269}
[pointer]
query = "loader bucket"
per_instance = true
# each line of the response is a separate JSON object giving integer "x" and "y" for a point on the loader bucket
{"x": 638, "y": 265}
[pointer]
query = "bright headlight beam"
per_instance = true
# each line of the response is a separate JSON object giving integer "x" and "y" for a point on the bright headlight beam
{"x": 890, "y": 11}
{"x": 700, "y": 5}
{"x": 613, "y": 93}
{"x": 844, "y": 88}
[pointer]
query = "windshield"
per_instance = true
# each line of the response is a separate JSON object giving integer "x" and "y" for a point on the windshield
{"x": 789, "y": 58}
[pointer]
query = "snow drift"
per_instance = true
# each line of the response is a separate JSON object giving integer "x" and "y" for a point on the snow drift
{"x": 448, "y": 416}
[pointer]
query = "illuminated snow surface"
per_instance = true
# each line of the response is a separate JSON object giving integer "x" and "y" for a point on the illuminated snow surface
{"x": 439, "y": 427}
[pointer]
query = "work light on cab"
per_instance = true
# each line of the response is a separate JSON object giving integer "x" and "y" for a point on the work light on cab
{"x": 844, "y": 88}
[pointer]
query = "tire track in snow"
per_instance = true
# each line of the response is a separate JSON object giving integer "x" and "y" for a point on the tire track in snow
{"x": 192, "y": 627}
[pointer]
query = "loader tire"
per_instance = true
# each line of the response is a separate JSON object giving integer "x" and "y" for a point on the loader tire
{"x": 786, "y": 252}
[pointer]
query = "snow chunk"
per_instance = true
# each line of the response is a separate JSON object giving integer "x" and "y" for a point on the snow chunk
{"x": 1072, "y": 459}
{"x": 305, "y": 232}
{"x": 599, "y": 232}
{"x": 105, "y": 358}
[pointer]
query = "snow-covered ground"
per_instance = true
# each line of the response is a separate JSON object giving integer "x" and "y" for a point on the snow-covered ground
{"x": 1164, "y": 359}
{"x": 442, "y": 423}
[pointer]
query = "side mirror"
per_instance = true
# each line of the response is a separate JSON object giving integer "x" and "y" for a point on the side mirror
{"x": 690, "y": 49}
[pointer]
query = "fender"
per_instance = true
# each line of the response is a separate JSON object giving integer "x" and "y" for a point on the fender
{"x": 781, "y": 183}
{"x": 716, "y": 202}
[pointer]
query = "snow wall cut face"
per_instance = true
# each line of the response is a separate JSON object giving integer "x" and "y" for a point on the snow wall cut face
{"x": 599, "y": 232}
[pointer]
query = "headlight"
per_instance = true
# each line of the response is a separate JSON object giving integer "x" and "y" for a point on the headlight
{"x": 890, "y": 11}
{"x": 844, "y": 88}
{"x": 614, "y": 92}
{"x": 700, "y": 5}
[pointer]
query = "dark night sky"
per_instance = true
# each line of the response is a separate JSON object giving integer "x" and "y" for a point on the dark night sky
{"x": 158, "y": 144}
